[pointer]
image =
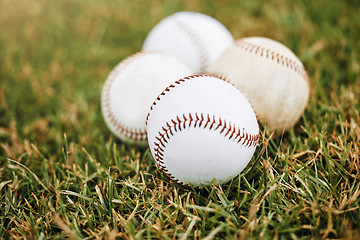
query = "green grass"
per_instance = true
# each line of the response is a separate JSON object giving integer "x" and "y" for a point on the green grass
{"x": 63, "y": 175}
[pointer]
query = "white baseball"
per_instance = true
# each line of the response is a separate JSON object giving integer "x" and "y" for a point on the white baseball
{"x": 202, "y": 129}
{"x": 130, "y": 89}
{"x": 271, "y": 77}
{"x": 194, "y": 38}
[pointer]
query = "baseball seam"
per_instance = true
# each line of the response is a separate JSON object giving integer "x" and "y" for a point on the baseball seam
{"x": 274, "y": 56}
{"x": 204, "y": 58}
{"x": 195, "y": 120}
{"x": 130, "y": 132}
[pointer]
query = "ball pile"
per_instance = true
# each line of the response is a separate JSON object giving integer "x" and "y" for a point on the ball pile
{"x": 194, "y": 96}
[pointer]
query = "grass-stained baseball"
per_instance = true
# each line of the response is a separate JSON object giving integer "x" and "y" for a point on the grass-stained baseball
{"x": 65, "y": 175}
{"x": 271, "y": 77}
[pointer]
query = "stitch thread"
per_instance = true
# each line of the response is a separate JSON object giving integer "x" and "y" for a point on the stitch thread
{"x": 195, "y": 120}
{"x": 279, "y": 58}
{"x": 228, "y": 130}
{"x": 167, "y": 89}
{"x": 130, "y": 132}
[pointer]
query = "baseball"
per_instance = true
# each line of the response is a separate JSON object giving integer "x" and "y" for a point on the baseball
{"x": 130, "y": 89}
{"x": 270, "y": 76}
{"x": 194, "y": 38}
{"x": 201, "y": 130}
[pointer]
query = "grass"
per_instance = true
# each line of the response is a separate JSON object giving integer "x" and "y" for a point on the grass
{"x": 63, "y": 175}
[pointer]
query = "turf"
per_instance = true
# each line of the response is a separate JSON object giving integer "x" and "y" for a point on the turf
{"x": 63, "y": 175}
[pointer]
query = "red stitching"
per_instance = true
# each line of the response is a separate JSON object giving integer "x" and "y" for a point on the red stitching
{"x": 168, "y": 90}
{"x": 279, "y": 58}
{"x": 235, "y": 134}
{"x": 174, "y": 125}
{"x": 130, "y": 132}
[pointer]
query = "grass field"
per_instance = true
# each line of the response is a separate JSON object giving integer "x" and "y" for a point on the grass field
{"x": 63, "y": 175}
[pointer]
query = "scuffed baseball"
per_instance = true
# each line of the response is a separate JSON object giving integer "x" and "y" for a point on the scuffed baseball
{"x": 202, "y": 130}
{"x": 271, "y": 77}
{"x": 130, "y": 89}
{"x": 194, "y": 38}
